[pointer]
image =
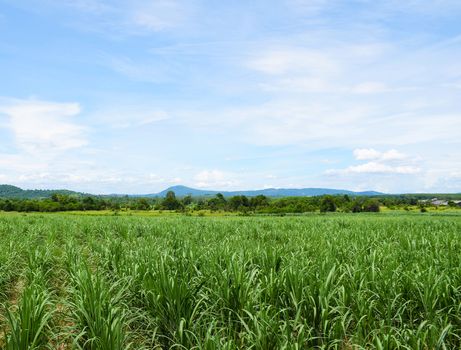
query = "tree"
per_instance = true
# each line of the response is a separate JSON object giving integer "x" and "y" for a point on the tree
{"x": 239, "y": 202}
{"x": 356, "y": 207}
{"x": 88, "y": 203}
{"x": 187, "y": 200}
{"x": 220, "y": 198}
{"x": 259, "y": 201}
{"x": 170, "y": 202}
{"x": 371, "y": 205}
{"x": 327, "y": 204}
{"x": 142, "y": 204}
{"x": 8, "y": 206}
{"x": 217, "y": 203}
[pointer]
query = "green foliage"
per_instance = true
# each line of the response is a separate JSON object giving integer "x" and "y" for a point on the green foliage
{"x": 28, "y": 323}
{"x": 98, "y": 310}
{"x": 170, "y": 202}
{"x": 327, "y": 204}
{"x": 8, "y": 191}
{"x": 218, "y": 203}
{"x": 338, "y": 281}
{"x": 238, "y": 202}
{"x": 371, "y": 205}
{"x": 142, "y": 204}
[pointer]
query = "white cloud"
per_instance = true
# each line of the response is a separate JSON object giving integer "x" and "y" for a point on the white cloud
{"x": 372, "y": 154}
{"x": 436, "y": 179}
{"x": 392, "y": 155}
{"x": 130, "y": 117}
{"x": 377, "y": 168}
{"x": 22, "y": 163}
{"x": 288, "y": 123}
{"x": 430, "y": 8}
{"x": 319, "y": 67}
{"x": 346, "y": 79}
{"x": 387, "y": 162}
{"x": 81, "y": 177}
{"x": 318, "y": 78}
{"x": 153, "y": 117}
{"x": 91, "y": 6}
{"x": 153, "y": 72}
{"x": 42, "y": 127}
{"x": 114, "y": 18}
{"x": 301, "y": 84}
{"x": 158, "y": 15}
{"x": 371, "y": 87}
{"x": 136, "y": 17}
{"x": 308, "y": 7}
{"x": 366, "y": 153}
{"x": 215, "y": 179}
{"x": 290, "y": 60}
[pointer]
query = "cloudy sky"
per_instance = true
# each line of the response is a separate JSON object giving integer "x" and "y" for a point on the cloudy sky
{"x": 133, "y": 96}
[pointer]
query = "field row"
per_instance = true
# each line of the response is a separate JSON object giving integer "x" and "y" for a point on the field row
{"x": 326, "y": 282}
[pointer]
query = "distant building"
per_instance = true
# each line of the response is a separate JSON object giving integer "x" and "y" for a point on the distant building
{"x": 437, "y": 202}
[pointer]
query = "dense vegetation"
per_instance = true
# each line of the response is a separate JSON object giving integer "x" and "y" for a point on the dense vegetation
{"x": 239, "y": 203}
{"x": 331, "y": 282}
{"x": 8, "y": 191}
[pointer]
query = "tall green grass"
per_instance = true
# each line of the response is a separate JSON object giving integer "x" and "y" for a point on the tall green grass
{"x": 320, "y": 282}
{"x": 28, "y": 318}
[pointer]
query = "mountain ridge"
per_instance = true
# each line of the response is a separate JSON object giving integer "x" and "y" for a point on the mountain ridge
{"x": 182, "y": 191}
{"x": 10, "y": 191}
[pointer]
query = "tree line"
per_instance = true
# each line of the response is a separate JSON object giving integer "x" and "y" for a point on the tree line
{"x": 240, "y": 203}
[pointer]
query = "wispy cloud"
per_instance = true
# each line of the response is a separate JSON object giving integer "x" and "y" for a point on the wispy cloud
{"x": 376, "y": 168}
{"x": 293, "y": 61}
{"x": 128, "y": 114}
{"x": 117, "y": 17}
{"x": 158, "y": 15}
{"x": 215, "y": 179}
{"x": 379, "y": 162}
{"x": 167, "y": 84}
{"x": 143, "y": 119}
{"x": 43, "y": 127}
{"x": 89, "y": 6}
{"x": 153, "y": 72}
{"x": 372, "y": 154}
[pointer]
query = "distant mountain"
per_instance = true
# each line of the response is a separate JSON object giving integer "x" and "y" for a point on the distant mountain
{"x": 9, "y": 191}
{"x": 182, "y": 191}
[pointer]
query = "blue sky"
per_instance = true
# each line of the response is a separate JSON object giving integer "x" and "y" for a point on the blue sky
{"x": 134, "y": 96}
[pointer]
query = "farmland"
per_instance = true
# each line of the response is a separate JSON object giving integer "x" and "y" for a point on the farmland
{"x": 337, "y": 281}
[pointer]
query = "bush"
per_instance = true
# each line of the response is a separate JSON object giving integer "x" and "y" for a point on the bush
{"x": 327, "y": 204}
{"x": 371, "y": 206}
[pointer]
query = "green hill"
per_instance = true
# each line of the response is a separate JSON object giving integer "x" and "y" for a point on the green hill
{"x": 9, "y": 191}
